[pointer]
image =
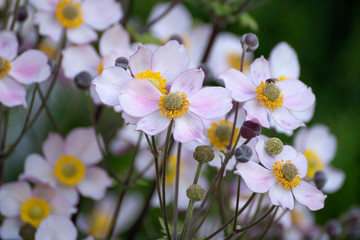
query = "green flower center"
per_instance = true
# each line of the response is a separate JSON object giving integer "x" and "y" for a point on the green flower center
{"x": 289, "y": 171}
{"x": 272, "y": 92}
{"x": 173, "y": 101}
{"x": 223, "y": 132}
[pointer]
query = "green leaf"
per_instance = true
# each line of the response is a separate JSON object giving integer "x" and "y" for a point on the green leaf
{"x": 245, "y": 20}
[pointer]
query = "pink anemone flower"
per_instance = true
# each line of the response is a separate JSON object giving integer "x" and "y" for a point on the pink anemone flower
{"x": 281, "y": 175}
{"x": 266, "y": 99}
{"x": 30, "y": 67}
{"x": 80, "y": 18}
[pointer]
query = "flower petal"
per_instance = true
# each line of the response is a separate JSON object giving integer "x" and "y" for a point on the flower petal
{"x": 70, "y": 193}
{"x": 56, "y": 227}
{"x": 30, "y": 67}
{"x": 188, "y": 128}
{"x": 38, "y": 170}
{"x": 266, "y": 159}
{"x": 281, "y": 196}
{"x": 8, "y": 45}
{"x": 284, "y": 61}
{"x": 140, "y": 61}
{"x": 297, "y": 158}
{"x": 260, "y": 71}
{"x": 47, "y": 5}
{"x": 257, "y": 178}
{"x": 12, "y": 93}
{"x": 285, "y": 119}
{"x": 48, "y": 25}
{"x": 335, "y": 179}
{"x": 297, "y": 96}
{"x": 139, "y": 98}
{"x": 53, "y": 147}
{"x": 82, "y": 143}
{"x": 10, "y": 228}
{"x": 189, "y": 82}
{"x": 241, "y": 87}
{"x": 77, "y": 59}
{"x": 94, "y": 183}
{"x": 153, "y": 123}
{"x": 81, "y": 35}
{"x": 101, "y": 14}
{"x": 12, "y": 195}
{"x": 257, "y": 113}
{"x": 211, "y": 102}
{"x": 108, "y": 85}
{"x": 170, "y": 60}
{"x": 114, "y": 38}
{"x": 309, "y": 196}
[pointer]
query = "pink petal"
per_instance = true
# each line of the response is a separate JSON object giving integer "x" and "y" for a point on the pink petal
{"x": 8, "y": 45}
{"x": 297, "y": 96}
{"x": 309, "y": 196}
{"x": 300, "y": 139}
{"x": 30, "y": 67}
{"x": 10, "y": 228}
{"x": 12, "y": 195}
{"x": 306, "y": 115}
{"x": 188, "y": 128}
{"x": 38, "y": 170}
{"x": 285, "y": 119}
{"x": 266, "y": 159}
{"x": 70, "y": 193}
{"x": 170, "y": 60}
{"x": 56, "y": 227}
{"x": 109, "y": 84}
{"x": 297, "y": 158}
{"x": 257, "y": 178}
{"x": 284, "y": 61}
{"x": 260, "y": 71}
{"x": 139, "y": 98}
{"x": 101, "y": 14}
{"x": 153, "y": 123}
{"x": 189, "y": 82}
{"x": 44, "y": 191}
{"x": 335, "y": 179}
{"x": 140, "y": 61}
{"x": 53, "y": 147}
{"x": 241, "y": 87}
{"x": 281, "y": 196}
{"x": 198, "y": 39}
{"x": 81, "y": 35}
{"x": 12, "y": 93}
{"x": 48, "y": 25}
{"x": 94, "y": 183}
{"x": 257, "y": 113}
{"x": 82, "y": 143}
{"x": 114, "y": 38}
{"x": 211, "y": 102}
{"x": 47, "y": 5}
{"x": 77, "y": 59}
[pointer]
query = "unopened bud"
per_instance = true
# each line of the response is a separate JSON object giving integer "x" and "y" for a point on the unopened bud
{"x": 22, "y": 14}
{"x": 274, "y": 146}
{"x": 333, "y": 228}
{"x": 177, "y": 38}
{"x": 249, "y": 41}
{"x": 243, "y": 153}
{"x": 27, "y": 232}
{"x": 83, "y": 80}
{"x": 122, "y": 62}
{"x": 195, "y": 193}
{"x": 320, "y": 179}
{"x": 250, "y": 129}
{"x": 203, "y": 154}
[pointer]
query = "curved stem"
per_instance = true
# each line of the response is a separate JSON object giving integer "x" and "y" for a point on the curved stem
{"x": 269, "y": 224}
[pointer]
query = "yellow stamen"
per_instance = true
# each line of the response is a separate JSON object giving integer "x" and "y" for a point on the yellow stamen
{"x": 99, "y": 224}
{"x": 69, "y": 170}
{"x": 283, "y": 177}
{"x": 220, "y": 143}
{"x": 172, "y": 113}
{"x": 100, "y": 68}
{"x": 155, "y": 78}
{"x": 314, "y": 163}
{"x": 34, "y": 210}
{"x": 283, "y": 78}
{"x": 265, "y": 101}
{"x": 171, "y": 170}
{"x": 5, "y": 67}
{"x": 69, "y": 13}
{"x": 234, "y": 61}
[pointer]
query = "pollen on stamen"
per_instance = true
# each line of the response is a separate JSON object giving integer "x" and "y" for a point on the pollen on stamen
{"x": 169, "y": 109}
{"x": 286, "y": 174}
{"x": 155, "y": 78}
{"x": 69, "y": 13}
{"x": 268, "y": 96}
{"x": 5, "y": 67}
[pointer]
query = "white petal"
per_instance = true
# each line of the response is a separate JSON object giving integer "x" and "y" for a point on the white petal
{"x": 94, "y": 183}
{"x": 188, "y": 128}
{"x": 257, "y": 113}
{"x": 48, "y": 25}
{"x": 285, "y": 119}
{"x": 12, "y": 195}
{"x": 153, "y": 123}
{"x": 81, "y": 35}
{"x": 38, "y": 170}
{"x": 10, "y": 228}
{"x": 8, "y": 45}
{"x": 56, "y": 227}
{"x": 188, "y": 82}
{"x": 260, "y": 71}
{"x": 114, "y": 38}
{"x": 281, "y": 196}
{"x": 309, "y": 196}
{"x": 335, "y": 179}
{"x": 284, "y": 61}
{"x": 140, "y": 61}
{"x": 53, "y": 147}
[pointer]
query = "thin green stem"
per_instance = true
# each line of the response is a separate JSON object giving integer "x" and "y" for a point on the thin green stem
{"x": 178, "y": 159}
{"x": 197, "y": 174}
{"x": 187, "y": 220}
{"x": 269, "y": 224}
{"x": 237, "y": 202}
{"x": 48, "y": 113}
{"x": 15, "y": 15}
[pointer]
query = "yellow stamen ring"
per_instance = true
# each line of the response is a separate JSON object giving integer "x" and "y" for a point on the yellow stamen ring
{"x": 34, "y": 210}
{"x": 69, "y": 170}
{"x": 155, "y": 78}
{"x": 220, "y": 142}
{"x": 286, "y": 173}
{"x": 265, "y": 100}
{"x": 174, "y": 112}
{"x": 69, "y": 13}
{"x": 5, "y": 67}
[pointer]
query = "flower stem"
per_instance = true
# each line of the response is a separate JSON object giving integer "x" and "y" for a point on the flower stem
{"x": 216, "y": 29}
{"x": 15, "y": 15}
{"x": 187, "y": 220}
{"x": 269, "y": 224}
{"x": 177, "y": 190}
{"x": 237, "y": 202}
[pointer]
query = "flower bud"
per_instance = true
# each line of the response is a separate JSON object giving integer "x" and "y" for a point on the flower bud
{"x": 176, "y": 38}
{"x": 274, "y": 146}
{"x": 250, "y": 129}
{"x": 22, "y": 14}
{"x": 27, "y": 232}
{"x": 333, "y": 228}
{"x": 195, "y": 193}
{"x": 243, "y": 154}
{"x": 83, "y": 80}
{"x": 122, "y": 62}
{"x": 203, "y": 154}
{"x": 320, "y": 179}
{"x": 250, "y": 41}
